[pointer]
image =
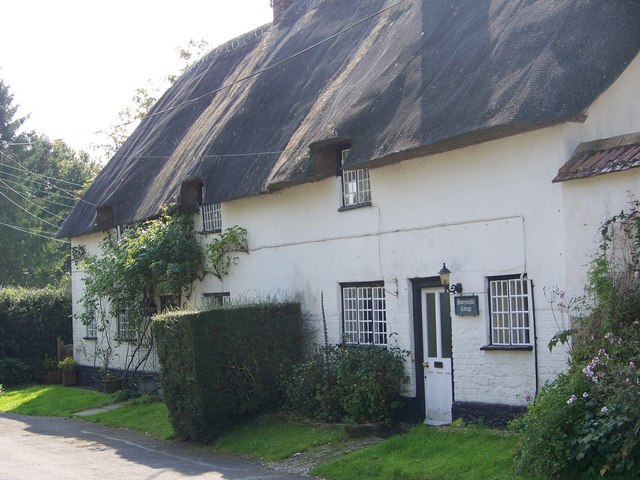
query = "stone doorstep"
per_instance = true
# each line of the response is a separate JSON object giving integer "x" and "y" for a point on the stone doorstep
{"x": 93, "y": 411}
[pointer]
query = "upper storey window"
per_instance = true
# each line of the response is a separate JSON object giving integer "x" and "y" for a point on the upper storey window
{"x": 212, "y": 218}
{"x": 356, "y": 188}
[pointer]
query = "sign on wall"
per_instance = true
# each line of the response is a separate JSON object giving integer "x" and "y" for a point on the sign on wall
{"x": 466, "y": 305}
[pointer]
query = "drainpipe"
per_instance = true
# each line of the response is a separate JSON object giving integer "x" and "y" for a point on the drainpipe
{"x": 535, "y": 342}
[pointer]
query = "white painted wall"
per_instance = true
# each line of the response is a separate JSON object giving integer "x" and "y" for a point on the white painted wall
{"x": 485, "y": 210}
{"x": 589, "y": 202}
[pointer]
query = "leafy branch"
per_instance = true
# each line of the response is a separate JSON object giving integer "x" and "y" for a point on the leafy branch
{"x": 220, "y": 253}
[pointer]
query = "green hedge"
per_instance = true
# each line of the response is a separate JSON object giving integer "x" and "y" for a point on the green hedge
{"x": 30, "y": 322}
{"x": 223, "y": 365}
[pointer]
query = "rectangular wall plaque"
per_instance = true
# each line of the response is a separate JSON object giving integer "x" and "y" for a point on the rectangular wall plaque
{"x": 466, "y": 305}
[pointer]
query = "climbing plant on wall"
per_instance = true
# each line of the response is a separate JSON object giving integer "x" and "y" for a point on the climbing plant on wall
{"x": 159, "y": 256}
{"x": 221, "y": 251}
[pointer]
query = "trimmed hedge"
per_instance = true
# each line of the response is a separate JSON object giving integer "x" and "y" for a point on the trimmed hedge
{"x": 30, "y": 322}
{"x": 220, "y": 366}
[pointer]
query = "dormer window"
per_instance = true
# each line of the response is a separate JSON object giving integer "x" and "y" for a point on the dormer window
{"x": 356, "y": 189}
{"x": 212, "y": 218}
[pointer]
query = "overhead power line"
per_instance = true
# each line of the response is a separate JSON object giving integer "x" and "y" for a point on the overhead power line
{"x": 29, "y": 213}
{"x": 32, "y": 232}
{"x": 22, "y": 168}
{"x": 26, "y": 170}
{"x": 31, "y": 201}
{"x": 42, "y": 199}
{"x": 63, "y": 193}
{"x": 268, "y": 67}
{"x": 247, "y": 77}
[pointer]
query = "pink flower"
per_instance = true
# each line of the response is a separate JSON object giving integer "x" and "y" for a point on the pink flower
{"x": 572, "y": 399}
{"x": 604, "y": 410}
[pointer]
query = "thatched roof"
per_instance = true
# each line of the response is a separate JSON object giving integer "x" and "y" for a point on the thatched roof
{"x": 421, "y": 77}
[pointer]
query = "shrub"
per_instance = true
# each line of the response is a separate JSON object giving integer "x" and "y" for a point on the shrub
{"x": 14, "y": 371}
{"x": 67, "y": 365}
{"x": 30, "y": 322}
{"x": 348, "y": 383}
{"x": 588, "y": 421}
{"x": 220, "y": 366}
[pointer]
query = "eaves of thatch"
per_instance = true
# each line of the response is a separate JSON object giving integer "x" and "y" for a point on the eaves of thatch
{"x": 421, "y": 77}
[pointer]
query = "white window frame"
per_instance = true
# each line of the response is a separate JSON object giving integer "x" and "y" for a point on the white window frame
{"x": 212, "y": 217}
{"x": 92, "y": 327}
{"x": 356, "y": 186}
{"x": 217, "y": 299}
{"x": 511, "y": 311}
{"x": 169, "y": 302}
{"x": 364, "y": 314}
{"x": 124, "y": 332}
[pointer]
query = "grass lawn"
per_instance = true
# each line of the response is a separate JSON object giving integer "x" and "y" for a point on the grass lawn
{"x": 273, "y": 438}
{"x": 424, "y": 453}
{"x": 429, "y": 453}
{"x": 50, "y": 400}
{"x": 142, "y": 414}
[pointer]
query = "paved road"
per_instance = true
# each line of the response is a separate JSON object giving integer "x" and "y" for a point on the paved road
{"x": 39, "y": 448}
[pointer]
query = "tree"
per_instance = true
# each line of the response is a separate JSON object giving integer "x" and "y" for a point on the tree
{"x": 9, "y": 125}
{"x": 40, "y": 181}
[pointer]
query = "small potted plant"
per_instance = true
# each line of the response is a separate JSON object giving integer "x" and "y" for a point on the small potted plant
{"x": 112, "y": 383}
{"x": 52, "y": 372}
{"x": 68, "y": 367}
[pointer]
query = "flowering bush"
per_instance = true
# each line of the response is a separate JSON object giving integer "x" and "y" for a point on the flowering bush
{"x": 588, "y": 420}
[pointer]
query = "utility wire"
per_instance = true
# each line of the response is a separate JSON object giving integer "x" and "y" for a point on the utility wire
{"x": 66, "y": 196}
{"x": 253, "y": 74}
{"x": 31, "y": 201}
{"x": 31, "y": 193}
{"x": 69, "y": 195}
{"x": 268, "y": 67}
{"x": 31, "y": 232}
{"x": 29, "y": 213}
{"x": 22, "y": 168}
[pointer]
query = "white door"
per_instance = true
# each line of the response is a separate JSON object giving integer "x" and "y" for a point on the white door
{"x": 436, "y": 328}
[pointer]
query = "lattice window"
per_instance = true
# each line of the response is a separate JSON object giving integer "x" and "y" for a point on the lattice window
{"x": 511, "y": 311}
{"x": 217, "y": 299}
{"x": 125, "y": 329}
{"x": 356, "y": 187}
{"x": 212, "y": 217}
{"x": 92, "y": 327}
{"x": 364, "y": 314}
{"x": 169, "y": 302}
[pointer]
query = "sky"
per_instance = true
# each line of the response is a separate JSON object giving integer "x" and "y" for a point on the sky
{"x": 72, "y": 65}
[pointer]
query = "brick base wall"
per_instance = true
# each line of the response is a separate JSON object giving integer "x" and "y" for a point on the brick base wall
{"x": 493, "y": 415}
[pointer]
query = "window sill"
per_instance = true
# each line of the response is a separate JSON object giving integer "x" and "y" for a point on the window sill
{"x": 511, "y": 348}
{"x": 125, "y": 340}
{"x": 209, "y": 232}
{"x": 353, "y": 207}
{"x": 90, "y": 338}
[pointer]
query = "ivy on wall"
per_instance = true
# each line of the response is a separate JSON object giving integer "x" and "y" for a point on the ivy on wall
{"x": 161, "y": 256}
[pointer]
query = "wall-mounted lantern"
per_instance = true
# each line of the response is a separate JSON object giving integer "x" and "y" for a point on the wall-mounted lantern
{"x": 445, "y": 275}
